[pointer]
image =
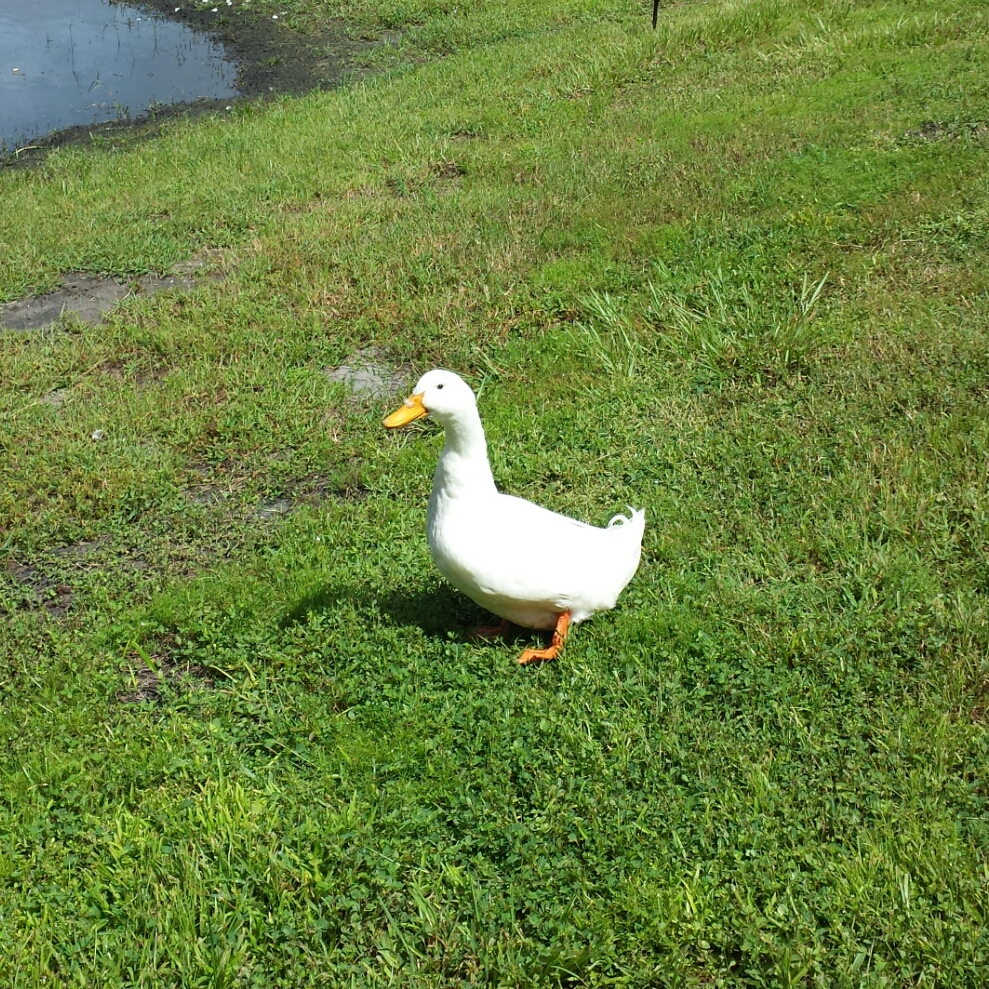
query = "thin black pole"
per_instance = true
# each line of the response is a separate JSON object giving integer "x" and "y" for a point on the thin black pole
{"x": 655, "y": 13}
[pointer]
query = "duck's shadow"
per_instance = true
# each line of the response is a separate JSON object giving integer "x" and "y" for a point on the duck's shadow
{"x": 438, "y": 610}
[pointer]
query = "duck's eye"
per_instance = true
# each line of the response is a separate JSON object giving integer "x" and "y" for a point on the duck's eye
{"x": 438, "y": 387}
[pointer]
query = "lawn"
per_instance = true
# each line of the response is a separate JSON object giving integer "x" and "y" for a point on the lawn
{"x": 734, "y": 271}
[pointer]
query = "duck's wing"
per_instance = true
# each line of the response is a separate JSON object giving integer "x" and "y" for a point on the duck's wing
{"x": 529, "y": 553}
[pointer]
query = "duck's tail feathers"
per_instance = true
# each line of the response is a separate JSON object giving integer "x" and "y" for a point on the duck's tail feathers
{"x": 636, "y": 522}
{"x": 625, "y": 544}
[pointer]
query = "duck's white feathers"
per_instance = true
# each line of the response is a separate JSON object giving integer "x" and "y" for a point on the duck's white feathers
{"x": 528, "y": 564}
{"x": 520, "y": 561}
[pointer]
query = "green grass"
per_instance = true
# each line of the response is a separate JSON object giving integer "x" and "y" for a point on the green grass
{"x": 734, "y": 272}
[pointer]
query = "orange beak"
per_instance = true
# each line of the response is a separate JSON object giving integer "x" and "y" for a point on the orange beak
{"x": 412, "y": 409}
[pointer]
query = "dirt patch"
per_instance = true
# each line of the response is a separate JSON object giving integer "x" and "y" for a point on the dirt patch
{"x": 206, "y": 494}
{"x": 56, "y": 399}
{"x": 979, "y": 712}
{"x": 88, "y": 297}
{"x": 275, "y": 508}
{"x": 367, "y": 375}
{"x": 38, "y": 592}
{"x": 153, "y": 674}
{"x": 316, "y": 488}
{"x": 223, "y": 495}
{"x": 80, "y": 551}
{"x": 56, "y": 582}
{"x": 79, "y": 556}
{"x": 209, "y": 487}
{"x": 934, "y": 130}
{"x": 310, "y": 491}
{"x": 272, "y": 60}
{"x": 447, "y": 170}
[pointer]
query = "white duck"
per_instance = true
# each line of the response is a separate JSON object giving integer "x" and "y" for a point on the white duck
{"x": 526, "y": 564}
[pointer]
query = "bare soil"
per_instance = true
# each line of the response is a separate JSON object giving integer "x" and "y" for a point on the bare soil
{"x": 89, "y": 296}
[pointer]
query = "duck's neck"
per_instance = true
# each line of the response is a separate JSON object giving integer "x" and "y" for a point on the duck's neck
{"x": 463, "y": 468}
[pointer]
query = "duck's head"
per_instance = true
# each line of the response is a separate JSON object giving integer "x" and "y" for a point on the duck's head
{"x": 440, "y": 394}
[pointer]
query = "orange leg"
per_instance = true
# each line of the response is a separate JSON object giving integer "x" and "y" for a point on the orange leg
{"x": 559, "y": 637}
{"x": 490, "y": 631}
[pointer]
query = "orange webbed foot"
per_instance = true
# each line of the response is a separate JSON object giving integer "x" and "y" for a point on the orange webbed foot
{"x": 559, "y": 637}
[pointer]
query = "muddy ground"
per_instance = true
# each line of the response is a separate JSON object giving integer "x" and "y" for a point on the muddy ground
{"x": 89, "y": 296}
{"x": 272, "y": 60}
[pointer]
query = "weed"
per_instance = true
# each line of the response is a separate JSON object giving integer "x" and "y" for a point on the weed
{"x": 607, "y": 337}
{"x": 730, "y": 329}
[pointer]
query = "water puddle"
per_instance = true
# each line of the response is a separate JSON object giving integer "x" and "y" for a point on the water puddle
{"x": 65, "y": 63}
